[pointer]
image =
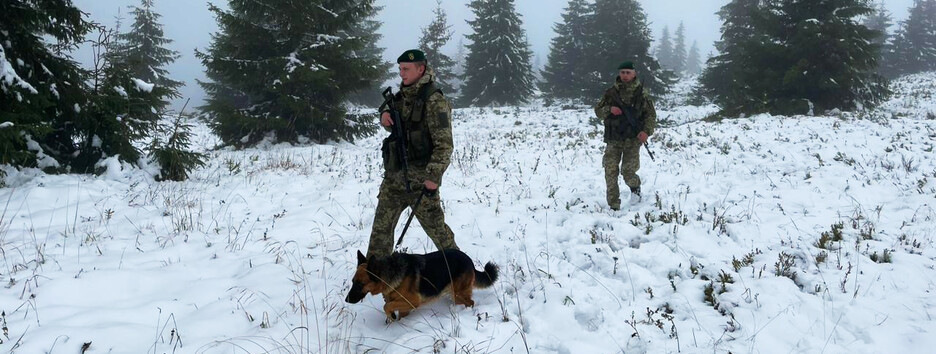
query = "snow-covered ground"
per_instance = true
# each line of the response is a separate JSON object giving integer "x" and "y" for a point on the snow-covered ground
{"x": 765, "y": 234}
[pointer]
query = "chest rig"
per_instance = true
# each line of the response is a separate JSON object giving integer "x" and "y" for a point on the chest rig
{"x": 416, "y": 131}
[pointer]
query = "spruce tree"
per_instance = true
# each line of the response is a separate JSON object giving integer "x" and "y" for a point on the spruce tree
{"x": 679, "y": 50}
{"x": 794, "y": 57}
{"x": 40, "y": 85}
{"x": 565, "y": 76}
{"x": 741, "y": 76}
{"x": 142, "y": 51}
{"x": 283, "y": 70}
{"x": 537, "y": 67}
{"x": 880, "y": 21}
{"x": 122, "y": 110}
{"x": 664, "y": 52}
{"x": 170, "y": 149}
{"x": 55, "y": 114}
{"x": 458, "y": 67}
{"x": 460, "y": 55}
{"x": 620, "y": 32}
{"x": 143, "y": 48}
{"x": 434, "y": 37}
{"x": 830, "y": 58}
{"x": 693, "y": 60}
{"x": 497, "y": 68}
{"x": 367, "y": 30}
{"x": 915, "y": 43}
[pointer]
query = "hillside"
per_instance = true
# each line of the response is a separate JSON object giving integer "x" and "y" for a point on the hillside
{"x": 761, "y": 234}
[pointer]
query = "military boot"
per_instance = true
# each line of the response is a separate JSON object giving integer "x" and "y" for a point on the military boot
{"x": 636, "y": 191}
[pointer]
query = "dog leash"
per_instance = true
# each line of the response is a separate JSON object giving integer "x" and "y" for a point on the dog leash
{"x": 413, "y": 213}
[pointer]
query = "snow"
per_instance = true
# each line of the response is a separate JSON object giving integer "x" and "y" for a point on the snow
{"x": 43, "y": 160}
{"x": 96, "y": 141}
{"x": 254, "y": 253}
{"x": 9, "y": 77}
{"x": 291, "y": 63}
{"x": 113, "y": 170}
{"x": 143, "y": 86}
{"x": 121, "y": 91}
{"x": 6, "y": 125}
{"x": 330, "y": 12}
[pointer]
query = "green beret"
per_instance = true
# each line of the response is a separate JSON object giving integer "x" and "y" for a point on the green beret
{"x": 626, "y": 65}
{"x": 411, "y": 56}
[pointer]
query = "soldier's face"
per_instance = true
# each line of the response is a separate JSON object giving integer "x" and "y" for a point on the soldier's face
{"x": 411, "y": 72}
{"x": 627, "y": 75}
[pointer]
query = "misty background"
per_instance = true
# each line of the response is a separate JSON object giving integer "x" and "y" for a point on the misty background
{"x": 189, "y": 24}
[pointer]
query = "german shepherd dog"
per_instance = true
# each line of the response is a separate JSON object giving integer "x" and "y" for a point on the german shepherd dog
{"x": 410, "y": 280}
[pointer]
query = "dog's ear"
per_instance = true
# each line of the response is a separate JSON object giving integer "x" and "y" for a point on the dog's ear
{"x": 360, "y": 258}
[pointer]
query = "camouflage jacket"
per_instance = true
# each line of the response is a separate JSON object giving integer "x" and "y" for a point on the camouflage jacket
{"x": 633, "y": 95}
{"x": 429, "y": 133}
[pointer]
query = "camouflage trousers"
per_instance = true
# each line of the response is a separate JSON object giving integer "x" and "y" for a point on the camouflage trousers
{"x": 392, "y": 200}
{"x": 621, "y": 157}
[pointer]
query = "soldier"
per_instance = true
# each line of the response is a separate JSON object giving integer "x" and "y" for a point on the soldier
{"x": 629, "y": 118}
{"x": 426, "y": 116}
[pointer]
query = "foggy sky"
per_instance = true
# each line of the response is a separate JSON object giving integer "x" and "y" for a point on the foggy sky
{"x": 190, "y": 25}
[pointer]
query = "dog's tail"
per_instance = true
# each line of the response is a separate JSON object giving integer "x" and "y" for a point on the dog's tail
{"x": 486, "y": 278}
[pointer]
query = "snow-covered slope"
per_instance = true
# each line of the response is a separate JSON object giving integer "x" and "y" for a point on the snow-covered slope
{"x": 726, "y": 251}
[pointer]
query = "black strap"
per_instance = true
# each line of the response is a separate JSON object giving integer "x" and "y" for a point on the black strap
{"x": 410, "y": 219}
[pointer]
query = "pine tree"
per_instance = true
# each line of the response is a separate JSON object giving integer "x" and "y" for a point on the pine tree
{"x": 40, "y": 85}
{"x": 283, "y": 70}
{"x": 434, "y": 37}
{"x": 367, "y": 30}
{"x": 120, "y": 112}
{"x": 620, "y": 32}
{"x": 565, "y": 76}
{"x": 665, "y": 52}
{"x": 458, "y": 69}
{"x": 915, "y": 43}
{"x": 460, "y": 55}
{"x": 61, "y": 117}
{"x": 142, "y": 52}
{"x": 880, "y": 21}
{"x": 497, "y": 67}
{"x": 143, "y": 48}
{"x": 172, "y": 154}
{"x": 831, "y": 58}
{"x": 693, "y": 60}
{"x": 537, "y": 67}
{"x": 743, "y": 73}
{"x": 770, "y": 60}
{"x": 679, "y": 50}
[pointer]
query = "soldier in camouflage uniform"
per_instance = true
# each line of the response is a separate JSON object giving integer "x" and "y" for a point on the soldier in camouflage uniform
{"x": 429, "y": 151}
{"x": 624, "y": 137}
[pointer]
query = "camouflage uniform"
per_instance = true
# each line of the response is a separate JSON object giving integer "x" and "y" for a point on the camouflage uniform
{"x": 622, "y": 154}
{"x": 430, "y": 151}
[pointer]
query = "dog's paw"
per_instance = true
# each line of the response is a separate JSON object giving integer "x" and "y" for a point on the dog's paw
{"x": 392, "y": 316}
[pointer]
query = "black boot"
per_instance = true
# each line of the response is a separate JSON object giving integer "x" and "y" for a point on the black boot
{"x": 636, "y": 191}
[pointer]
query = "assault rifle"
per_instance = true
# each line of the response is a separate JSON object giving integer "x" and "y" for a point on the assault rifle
{"x": 630, "y": 116}
{"x": 398, "y": 134}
